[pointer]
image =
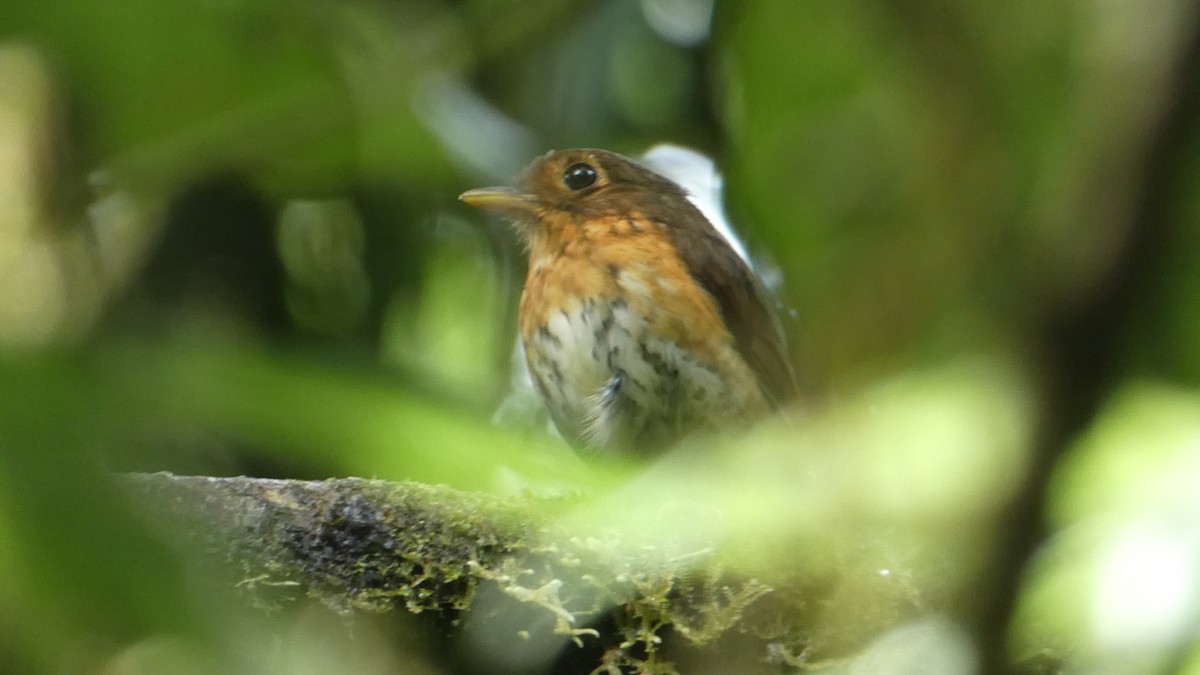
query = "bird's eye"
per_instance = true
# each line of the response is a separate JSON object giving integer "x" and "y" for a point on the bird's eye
{"x": 579, "y": 175}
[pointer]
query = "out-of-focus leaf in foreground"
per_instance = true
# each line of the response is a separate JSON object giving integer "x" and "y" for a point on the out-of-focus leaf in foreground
{"x": 1117, "y": 586}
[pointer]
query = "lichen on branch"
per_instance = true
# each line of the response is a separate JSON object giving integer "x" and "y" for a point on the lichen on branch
{"x": 375, "y": 546}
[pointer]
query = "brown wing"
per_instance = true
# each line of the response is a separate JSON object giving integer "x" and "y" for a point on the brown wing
{"x": 745, "y": 305}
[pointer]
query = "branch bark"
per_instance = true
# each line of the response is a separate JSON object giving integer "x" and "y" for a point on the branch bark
{"x": 375, "y": 546}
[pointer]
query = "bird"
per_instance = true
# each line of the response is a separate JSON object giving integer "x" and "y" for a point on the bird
{"x": 640, "y": 324}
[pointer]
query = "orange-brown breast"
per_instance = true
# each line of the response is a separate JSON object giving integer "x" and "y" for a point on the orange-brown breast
{"x": 628, "y": 255}
{"x": 610, "y": 295}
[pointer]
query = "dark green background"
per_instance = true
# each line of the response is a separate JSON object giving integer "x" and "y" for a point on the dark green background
{"x": 230, "y": 244}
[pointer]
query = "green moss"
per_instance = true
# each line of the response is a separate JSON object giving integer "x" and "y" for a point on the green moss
{"x": 371, "y": 546}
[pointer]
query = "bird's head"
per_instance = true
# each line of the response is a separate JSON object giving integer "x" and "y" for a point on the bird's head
{"x": 565, "y": 187}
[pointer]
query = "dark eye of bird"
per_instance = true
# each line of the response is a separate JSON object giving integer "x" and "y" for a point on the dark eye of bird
{"x": 579, "y": 175}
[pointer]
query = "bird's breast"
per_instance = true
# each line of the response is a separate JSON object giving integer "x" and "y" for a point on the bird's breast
{"x": 623, "y": 345}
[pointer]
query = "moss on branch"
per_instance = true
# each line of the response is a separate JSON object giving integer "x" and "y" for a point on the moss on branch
{"x": 375, "y": 546}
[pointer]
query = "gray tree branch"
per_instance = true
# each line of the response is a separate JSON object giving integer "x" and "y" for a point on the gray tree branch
{"x": 375, "y": 546}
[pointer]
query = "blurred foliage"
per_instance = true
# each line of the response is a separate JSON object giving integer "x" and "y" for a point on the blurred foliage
{"x": 229, "y": 243}
{"x": 1127, "y": 512}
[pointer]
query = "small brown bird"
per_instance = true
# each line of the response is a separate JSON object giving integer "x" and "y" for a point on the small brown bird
{"x": 640, "y": 323}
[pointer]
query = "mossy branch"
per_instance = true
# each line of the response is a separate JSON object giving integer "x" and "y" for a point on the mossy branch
{"x": 375, "y": 546}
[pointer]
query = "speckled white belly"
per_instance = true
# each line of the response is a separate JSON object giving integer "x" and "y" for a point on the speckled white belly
{"x": 609, "y": 382}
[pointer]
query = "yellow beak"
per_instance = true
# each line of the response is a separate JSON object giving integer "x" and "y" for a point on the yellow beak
{"x": 499, "y": 199}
